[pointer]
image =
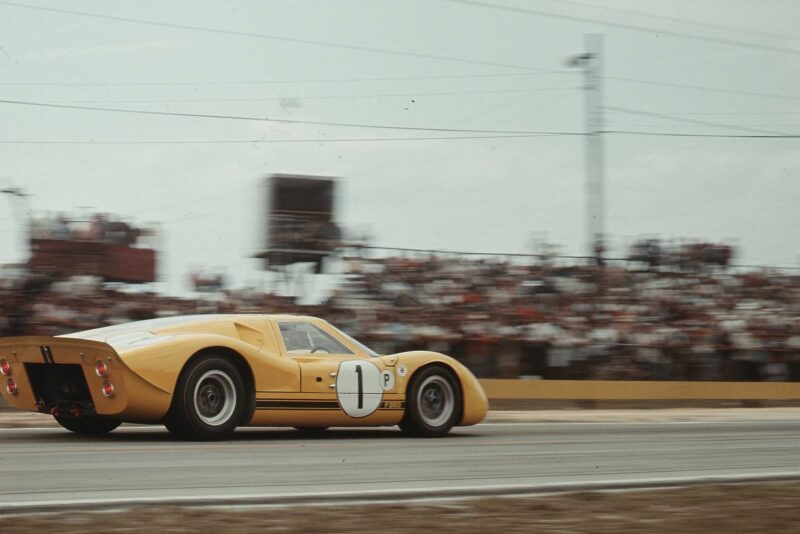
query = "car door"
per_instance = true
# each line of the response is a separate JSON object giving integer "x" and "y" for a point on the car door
{"x": 335, "y": 374}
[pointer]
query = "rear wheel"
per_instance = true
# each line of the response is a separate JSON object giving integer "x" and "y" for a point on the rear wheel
{"x": 209, "y": 400}
{"x": 92, "y": 426}
{"x": 433, "y": 403}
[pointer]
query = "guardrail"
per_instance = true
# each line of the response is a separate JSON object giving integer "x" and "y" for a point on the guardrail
{"x": 603, "y": 390}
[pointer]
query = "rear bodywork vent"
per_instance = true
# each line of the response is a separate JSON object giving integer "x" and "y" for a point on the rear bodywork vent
{"x": 249, "y": 335}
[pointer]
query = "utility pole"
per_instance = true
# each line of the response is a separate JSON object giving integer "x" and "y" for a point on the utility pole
{"x": 591, "y": 63}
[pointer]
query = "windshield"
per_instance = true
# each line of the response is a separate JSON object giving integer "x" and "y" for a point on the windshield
{"x": 359, "y": 344}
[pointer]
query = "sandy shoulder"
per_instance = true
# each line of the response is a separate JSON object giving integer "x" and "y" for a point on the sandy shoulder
{"x": 765, "y": 507}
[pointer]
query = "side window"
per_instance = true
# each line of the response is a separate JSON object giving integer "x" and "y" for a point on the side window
{"x": 306, "y": 338}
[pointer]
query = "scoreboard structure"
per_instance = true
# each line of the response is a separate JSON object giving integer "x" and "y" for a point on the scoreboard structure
{"x": 300, "y": 224}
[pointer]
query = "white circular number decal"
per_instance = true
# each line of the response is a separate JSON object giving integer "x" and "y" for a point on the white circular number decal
{"x": 359, "y": 387}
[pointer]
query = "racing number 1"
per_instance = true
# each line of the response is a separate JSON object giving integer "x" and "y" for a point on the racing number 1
{"x": 360, "y": 374}
{"x": 358, "y": 387}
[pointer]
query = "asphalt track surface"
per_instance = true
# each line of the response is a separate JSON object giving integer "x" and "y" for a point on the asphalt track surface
{"x": 46, "y": 466}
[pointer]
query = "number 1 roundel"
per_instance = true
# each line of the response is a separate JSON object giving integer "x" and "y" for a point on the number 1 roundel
{"x": 358, "y": 387}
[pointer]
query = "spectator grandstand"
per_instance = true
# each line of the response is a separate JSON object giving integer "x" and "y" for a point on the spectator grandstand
{"x": 502, "y": 318}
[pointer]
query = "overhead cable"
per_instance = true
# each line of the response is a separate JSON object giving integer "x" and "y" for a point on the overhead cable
{"x": 691, "y": 121}
{"x": 273, "y": 120}
{"x": 269, "y": 37}
{"x": 626, "y": 26}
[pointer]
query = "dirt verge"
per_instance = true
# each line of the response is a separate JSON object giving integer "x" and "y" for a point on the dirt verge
{"x": 763, "y": 507}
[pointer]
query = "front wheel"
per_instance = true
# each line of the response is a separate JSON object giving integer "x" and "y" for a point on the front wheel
{"x": 91, "y": 426}
{"x": 209, "y": 400}
{"x": 433, "y": 403}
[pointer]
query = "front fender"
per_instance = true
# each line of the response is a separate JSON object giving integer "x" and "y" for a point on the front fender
{"x": 476, "y": 404}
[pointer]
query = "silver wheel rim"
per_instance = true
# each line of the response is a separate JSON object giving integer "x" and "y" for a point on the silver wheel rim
{"x": 435, "y": 401}
{"x": 214, "y": 398}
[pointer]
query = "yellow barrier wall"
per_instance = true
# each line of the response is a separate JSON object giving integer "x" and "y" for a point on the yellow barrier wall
{"x": 638, "y": 390}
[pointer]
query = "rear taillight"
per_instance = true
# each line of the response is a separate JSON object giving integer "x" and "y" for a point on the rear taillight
{"x": 108, "y": 389}
{"x": 101, "y": 368}
{"x": 5, "y": 368}
{"x": 11, "y": 387}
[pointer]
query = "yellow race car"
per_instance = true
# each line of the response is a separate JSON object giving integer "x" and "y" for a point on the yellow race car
{"x": 204, "y": 375}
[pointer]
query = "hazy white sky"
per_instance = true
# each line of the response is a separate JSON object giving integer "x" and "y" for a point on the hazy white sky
{"x": 465, "y": 194}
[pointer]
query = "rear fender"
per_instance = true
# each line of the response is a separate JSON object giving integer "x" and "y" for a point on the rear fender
{"x": 134, "y": 398}
{"x": 161, "y": 363}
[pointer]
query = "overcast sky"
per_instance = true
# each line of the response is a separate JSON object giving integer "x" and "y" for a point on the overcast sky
{"x": 507, "y": 72}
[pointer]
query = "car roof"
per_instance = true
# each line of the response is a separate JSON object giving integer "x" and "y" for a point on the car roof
{"x": 176, "y": 320}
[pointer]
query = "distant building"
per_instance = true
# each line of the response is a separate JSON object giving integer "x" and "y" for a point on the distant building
{"x": 103, "y": 247}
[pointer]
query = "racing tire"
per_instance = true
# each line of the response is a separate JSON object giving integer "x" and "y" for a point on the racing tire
{"x": 209, "y": 400}
{"x": 433, "y": 403}
{"x": 90, "y": 426}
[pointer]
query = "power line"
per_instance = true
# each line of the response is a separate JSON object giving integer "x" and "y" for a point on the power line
{"x": 718, "y": 136}
{"x": 702, "y": 88}
{"x": 270, "y": 37}
{"x": 729, "y": 113}
{"x": 315, "y": 97}
{"x": 541, "y": 256}
{"x": 691, "y": 121}
{"x": 498, "y": 133}
{"x": 472, "y": 253}
{"x": 269, "y": 120}
{"x": 374, "y": 139}
{"x": 277, "y": 82}
{"x": 624, "y": 124}
{"x": 267, "y": 141}
{"x": 660, "y": 83}
{"x": 625, "y": 26}
{"x": 537, "y": 70}
{"x": 776, "y": 267}
{"x": 680, "y": 20}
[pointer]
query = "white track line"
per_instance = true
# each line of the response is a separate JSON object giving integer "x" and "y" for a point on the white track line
{"x": 413, "y": 494}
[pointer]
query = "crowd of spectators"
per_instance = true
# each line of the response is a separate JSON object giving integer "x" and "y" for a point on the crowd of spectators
{"x": 621, "y": 321}
{"x": 581, "y": 322}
